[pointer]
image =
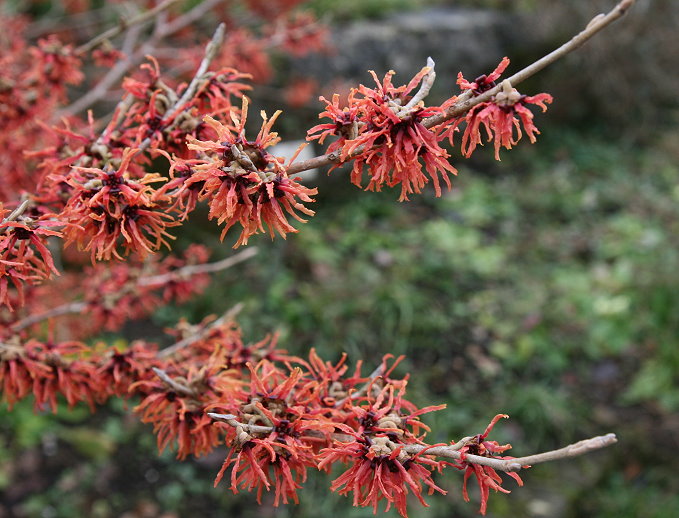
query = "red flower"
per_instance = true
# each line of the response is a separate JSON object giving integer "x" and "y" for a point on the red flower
{"x": 242, "y": 181}
{"x": 486, "y": 476}
{"x": 70, "y": 374}
{"x": 120, "y": 369}
{"x": 299, "y": 33}
{"x": 502, "y": 117}
{"x": 56, "y": 64}
{"x": 17, "y": 372}
{"x": 107, "y": 56}
{"x": 178, "y": 411}
{"x": 24, "y": 256}
{"x": 381, "y": 469}
{"x": 111, "y": 210}
{"x": 280, "y": 453}
{"x": 382, "y": 130}
{"x": 483, "y": 82}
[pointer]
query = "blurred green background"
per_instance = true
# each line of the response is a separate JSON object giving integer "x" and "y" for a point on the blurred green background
{"x": 545, "y": 286}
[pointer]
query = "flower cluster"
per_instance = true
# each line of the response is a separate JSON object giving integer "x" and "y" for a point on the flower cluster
{"x": 502, "y": 117}
{"x": 382, "y": 129}
{"x": 24, "y": 256}
{"x": 112, "y": 213}
{"x": 390, "y": 132}
{"x": 243, "y": 183}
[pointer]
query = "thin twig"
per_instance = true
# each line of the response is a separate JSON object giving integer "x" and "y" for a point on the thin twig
{"x": 515, "y": 464}
{"x": 64, "y": 309}
{"x": 17, "y": 212}
{"x": 196, "y": 269}
{"x": 124, "y": 25}
{"x": 226, "y": 317}
{"x": 466, "y": 101}
{"x": 174, "y": 385}
{"x": 153, "y": 280}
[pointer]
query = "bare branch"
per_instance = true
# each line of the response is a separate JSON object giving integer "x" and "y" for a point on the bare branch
{"x": 425, "y": 87}
{"x": 515, "y": 464}
{"x": 17, "y": 212}
{"x": 179, "y": 388}
{"x": 64, "y": 309}
{"x": 196, "y": 269}
{"x": 155, "y": 280}
{"x": 123, "y": 26}
{"x": 226, "y": 317}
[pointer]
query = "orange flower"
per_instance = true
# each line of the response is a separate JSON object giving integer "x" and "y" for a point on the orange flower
{"x": 380, "y": 131}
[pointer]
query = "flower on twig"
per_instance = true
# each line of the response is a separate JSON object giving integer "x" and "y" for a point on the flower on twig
{"x": 382, "y": 130}
{"x": 502, "y": 117}
{"x": 243, "y": 183}
{"x": 486, "y": 476}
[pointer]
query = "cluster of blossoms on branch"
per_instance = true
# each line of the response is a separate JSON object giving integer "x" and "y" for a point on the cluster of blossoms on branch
{"x": 95, "y": 191}
{"x": 116, "y": 187}
{"x": 280, "y": 415}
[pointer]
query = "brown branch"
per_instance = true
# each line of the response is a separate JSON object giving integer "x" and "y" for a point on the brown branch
{"x": 180, "y": 273}
{"x": 452, "y": 451}
{"x": 197, "y": 269}
{"x": 124, "y": 25}
{"x": 466, "y": 101}
{"x": 515, "y": 464}
{"x": 64, "y": 309}
{"x": 226, "y": 317}
{"x": 179, "y": 388}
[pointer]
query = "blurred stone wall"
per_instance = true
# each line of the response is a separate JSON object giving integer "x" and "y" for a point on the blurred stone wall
{"x": 626, "y": 77}
{"x": 470, "y": 40}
